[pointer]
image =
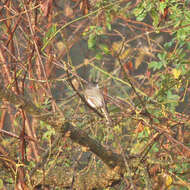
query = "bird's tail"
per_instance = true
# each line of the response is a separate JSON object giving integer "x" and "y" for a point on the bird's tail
{"x": 106, "y": 114}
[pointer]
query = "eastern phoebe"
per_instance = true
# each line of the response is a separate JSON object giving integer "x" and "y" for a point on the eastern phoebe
{"x": 95, "y": 99}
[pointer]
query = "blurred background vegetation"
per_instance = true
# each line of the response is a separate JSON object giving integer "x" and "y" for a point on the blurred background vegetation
{"x": 138, "y": 51}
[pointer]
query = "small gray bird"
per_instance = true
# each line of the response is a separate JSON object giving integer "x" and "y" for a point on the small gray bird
{"x": 95, "y": 99}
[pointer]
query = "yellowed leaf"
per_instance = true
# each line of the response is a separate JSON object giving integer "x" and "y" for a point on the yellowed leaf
{"x": 68, "y": 11}
{"x": 139, "y": 60}
{"x": 60, "y": 46}
{"x": 85, "y": 149}
{"x": 168, "y": 180}
{"x": 176, "y": 73}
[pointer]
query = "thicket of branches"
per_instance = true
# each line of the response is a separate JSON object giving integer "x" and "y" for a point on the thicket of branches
{"x": 138, "y": 51}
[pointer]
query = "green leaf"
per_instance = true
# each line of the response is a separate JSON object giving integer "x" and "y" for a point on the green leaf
{"x": 108, "y": 24}
{"x": 163, "y": 5}
{"x": 181, "y": 34}
{"x": 155, "y": 65}
{"x": 50, "y": 33}
{"x": 1, "y": 183}
{"x": 141, "y": 16}
{"x": 155, "y": 17}
{"x": 99, "y": 56}
{"x": 138, "y": 11}
{"x": 155, "y": 148}
{"x": 92, "y": 41}
{"x": 171, "y": 96}
{"x": 104, "y": 48}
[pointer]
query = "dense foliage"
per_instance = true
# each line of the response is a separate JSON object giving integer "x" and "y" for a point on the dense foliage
{"x": 138, "y": 51}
